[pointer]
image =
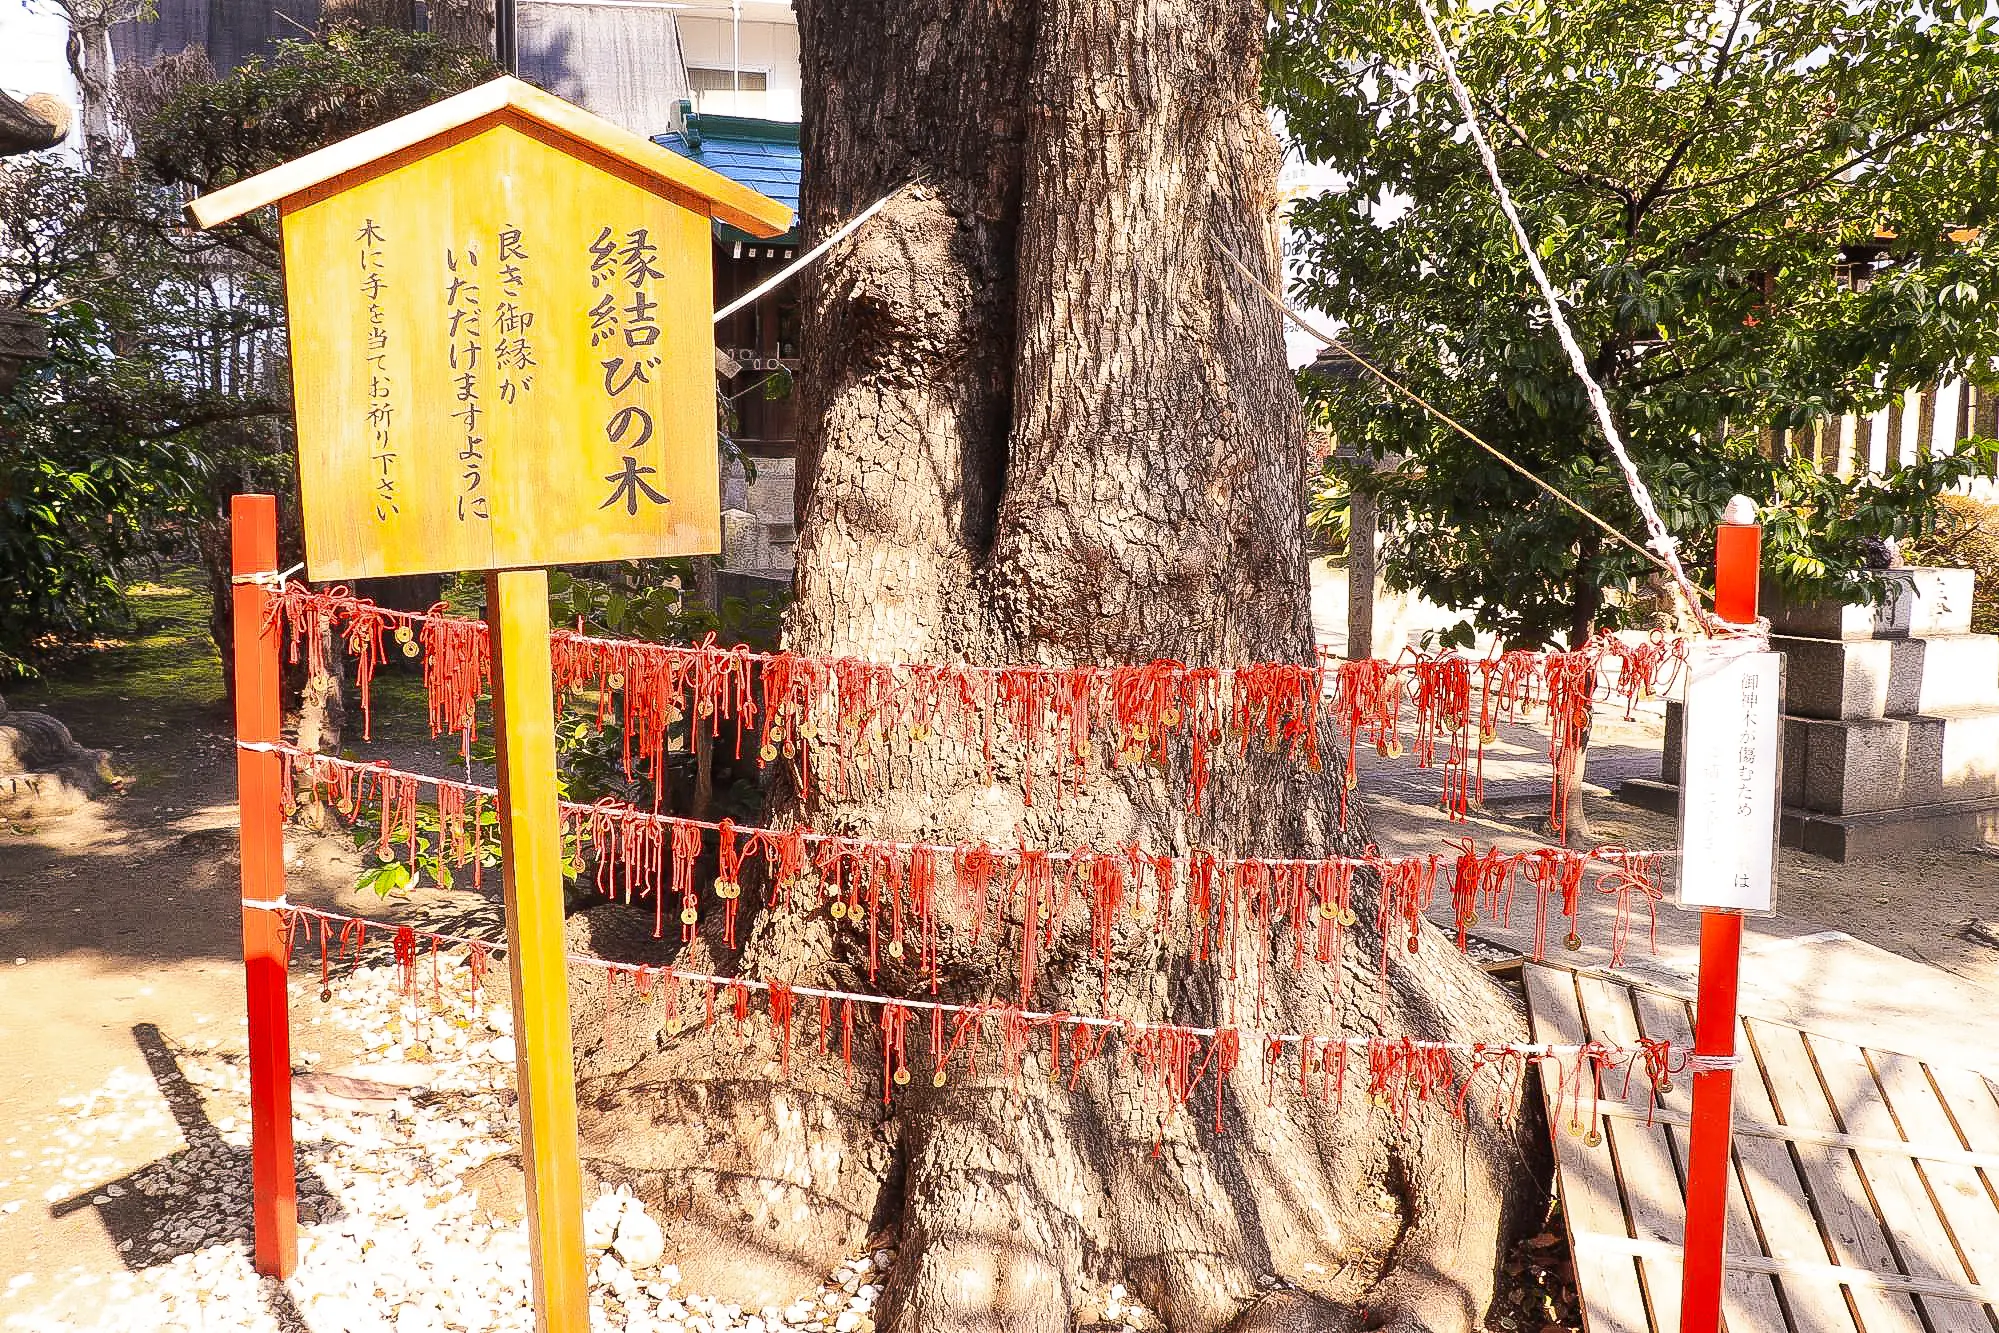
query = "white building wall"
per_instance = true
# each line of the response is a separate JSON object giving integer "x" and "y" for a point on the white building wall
{"x": 768, "y": 46}
{"x": 33, "y": 34}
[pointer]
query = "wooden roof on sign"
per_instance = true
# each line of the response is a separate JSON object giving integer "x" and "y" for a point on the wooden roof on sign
{"x": 401, "y": 140}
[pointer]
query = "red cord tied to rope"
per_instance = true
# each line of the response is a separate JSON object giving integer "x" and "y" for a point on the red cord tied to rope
{"x": 686, "y": 847}
{"x": 1557, "y": 876}
{"x": 1065, "y": 722}
{"x": 728, "y": 879}
{"x": 1623, "y": 875}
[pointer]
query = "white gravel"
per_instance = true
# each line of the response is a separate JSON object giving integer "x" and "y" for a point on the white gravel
{"x": 390, "y": 1236}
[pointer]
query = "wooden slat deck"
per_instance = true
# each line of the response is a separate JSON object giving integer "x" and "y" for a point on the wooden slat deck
{"x": 1863, "y": 1193}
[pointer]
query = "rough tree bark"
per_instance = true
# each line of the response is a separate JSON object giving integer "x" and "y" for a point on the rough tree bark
{"x": 1045, "y": 420}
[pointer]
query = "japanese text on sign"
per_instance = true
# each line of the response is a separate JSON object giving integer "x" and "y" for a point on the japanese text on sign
{"x": 1729, "y": 778}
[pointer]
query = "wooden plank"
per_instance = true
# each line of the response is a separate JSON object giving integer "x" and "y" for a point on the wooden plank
{"x": 732, "y": 202}
{"x": 1858, "y": 1278}
{"x": 1749, "y": 1300}
{"x": 1973, "y": 1109}
{"x": 1893, "y": 1182}
{"x": 1745, "y": 1128}
{"x": 531, "y": 838}
{"x": 1607, "y": 1284}
{"x": 1647, "y": 1176}
{"x": 1851, "y": 1228}
{"x": 253, "y": 544}
{"x": 1959, "y": 1194}
{"x": 1776, "y": 1196}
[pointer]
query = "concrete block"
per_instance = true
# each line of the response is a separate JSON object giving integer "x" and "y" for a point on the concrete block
{"x": 772, "y": 496}
{"x": 1854, "y": 766}
{"x": 1797, "y": 732}
{"x": 1958, "y": 671}
{"x": 1942, "y": 601}
{"x": 1922, "y": 767}
{"x": 1841, "y": 678}
{"x": 1856, "y": 678}
{"x": 1919, "y": 601}
{"x": 1968, "y": 752}
{"x": 1865, "y": 837}
{"x": 1669, "y": 757}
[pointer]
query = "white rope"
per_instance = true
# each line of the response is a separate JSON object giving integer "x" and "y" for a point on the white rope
{"x": 382, "y": 769}
{"x": 1662, "y": 541}
{"x": 269, "y": 578}
{"x": 791, "y": 270}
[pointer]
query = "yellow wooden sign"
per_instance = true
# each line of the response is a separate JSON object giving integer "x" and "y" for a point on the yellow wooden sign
{"x": 503, "y": 358}
{"x": 502, "y": 349}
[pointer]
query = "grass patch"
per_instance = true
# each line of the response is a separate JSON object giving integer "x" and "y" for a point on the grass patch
{"x": 167, "y": 663}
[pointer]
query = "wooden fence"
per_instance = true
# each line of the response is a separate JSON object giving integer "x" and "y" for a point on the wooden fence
{"x": 1922, "y": 423}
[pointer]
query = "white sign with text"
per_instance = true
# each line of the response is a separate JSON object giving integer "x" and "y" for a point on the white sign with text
{"x": 1730, "y": 750}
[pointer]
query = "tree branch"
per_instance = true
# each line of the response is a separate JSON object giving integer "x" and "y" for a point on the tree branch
{"x": 1880, "y": 151}
{"x": 1580, "y": 174}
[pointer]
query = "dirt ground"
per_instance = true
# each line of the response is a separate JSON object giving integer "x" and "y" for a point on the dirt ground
{"x": 120, "y": 924}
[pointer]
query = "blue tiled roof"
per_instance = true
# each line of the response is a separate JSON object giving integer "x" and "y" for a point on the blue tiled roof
{"x": 762, "y": 154}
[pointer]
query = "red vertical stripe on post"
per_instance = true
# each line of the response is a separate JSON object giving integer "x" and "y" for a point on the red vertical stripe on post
{"x": 253, "y": 549}
{"x": 1738, "y": 554}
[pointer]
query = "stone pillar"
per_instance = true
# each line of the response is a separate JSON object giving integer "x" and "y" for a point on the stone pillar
{"x": 1362, "y": 551}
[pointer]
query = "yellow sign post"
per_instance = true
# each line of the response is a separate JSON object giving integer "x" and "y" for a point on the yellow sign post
{"x": 502, "y": 359}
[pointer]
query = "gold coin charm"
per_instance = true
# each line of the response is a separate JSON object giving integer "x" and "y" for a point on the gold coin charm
{"x": 901, "y": 1077}
{"x": 1348, "y": 917}
{"x": 404, "y": 634}
{"x": 325, "y": 994}
{"x": 688, "y": 916}
{"x": 767, "y": 753}
{"x": 1329, "y": 911}
{"x": 1169, "y": 717}
{"x": 1394, "y": 747}
{"x": 1573, "y": 942}
{"x": 937, "y": 1079}
{"x": 1593, "y": 1139}
{"x": 673, "y": 1026}
{"x": 895, "y": 948}
{"x": 615, "y": 681}
{"x": 838, "y": 910}
{"x": 1353, "y": 779}
{"x": 1488, "y": 736}
{"x": 410, "y": 650}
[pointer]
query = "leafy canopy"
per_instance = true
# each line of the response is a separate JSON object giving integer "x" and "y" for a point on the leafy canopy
{"x": 1759, "y": 213}
{"x": 166, "y": 384}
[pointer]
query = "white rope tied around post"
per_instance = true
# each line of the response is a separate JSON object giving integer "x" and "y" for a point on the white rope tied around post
{"x": 1662, "y": 541}
{"x": 1713, "y": 1064}
{"x": 269, "y": 578}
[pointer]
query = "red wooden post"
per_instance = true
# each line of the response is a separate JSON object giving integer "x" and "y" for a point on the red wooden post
{"x": 1738, "y": 550}
{"x": 253, "y": 549}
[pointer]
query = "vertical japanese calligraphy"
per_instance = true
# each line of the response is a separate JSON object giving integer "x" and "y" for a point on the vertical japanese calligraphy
{"x": 381, "y": 389}
{"x": 464, "y": 332}
{"x": 513, "y": 320}
{"x": 624, "y": 320}
{"x": 502, "y": 356}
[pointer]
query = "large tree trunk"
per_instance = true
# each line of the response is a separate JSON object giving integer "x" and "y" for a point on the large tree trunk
{"x": 1045, "y": 420}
